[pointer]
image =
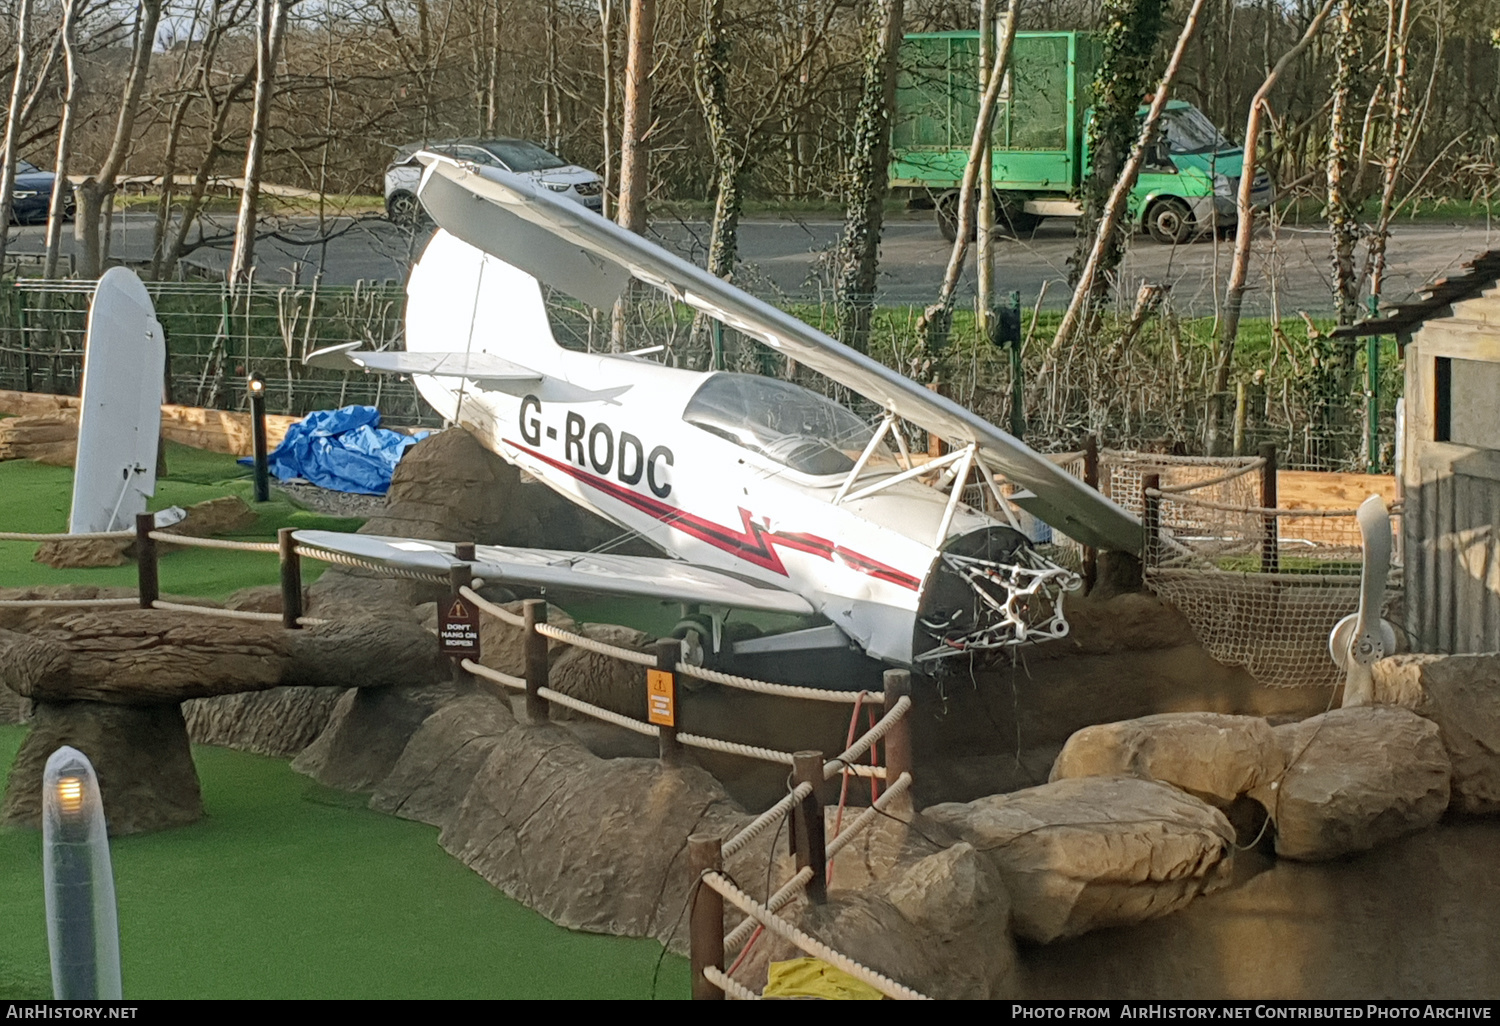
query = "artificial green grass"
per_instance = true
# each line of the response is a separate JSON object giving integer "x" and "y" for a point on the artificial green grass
{"x": 289, "y": 890}
{"x": 35, "y": 498}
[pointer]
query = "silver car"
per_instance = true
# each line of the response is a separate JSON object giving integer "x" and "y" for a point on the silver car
{"x": 515, "y": 155}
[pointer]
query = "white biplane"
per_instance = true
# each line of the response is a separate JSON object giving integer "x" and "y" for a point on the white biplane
{"x": 761, "y": 494}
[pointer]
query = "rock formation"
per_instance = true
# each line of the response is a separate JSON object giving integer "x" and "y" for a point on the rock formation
{"x": 47, "y": 438}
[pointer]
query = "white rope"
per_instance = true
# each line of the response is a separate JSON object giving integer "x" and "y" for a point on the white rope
{"x": 847, "y": 759}
{"x": 763, "y": 822}
{"x": 64, "y": 603}
{"x": 732, "y": 988}
{"x": 390, "y": 571}
{"x": 649, "y": 729}
{"x": 1189, "y": 486}
{"x": 213, "y": 543}
{"x": 785, "y": 930}
{"x": 499, "y": 613}
{"x": 775, "y": 903}
{"x": 232, "y": 614}
{"x": 478, "y": 670}
{"x": 735, "y": 748}
{"x": 311, "y": 621}
{"x": 87, "y": 536}
{"x": 579, "y": 641}
{"x": 763, "y": 687}
{"x": 868, "y": 816}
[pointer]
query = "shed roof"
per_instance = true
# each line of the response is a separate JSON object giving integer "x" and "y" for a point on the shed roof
{"x": 1477, "y": 275}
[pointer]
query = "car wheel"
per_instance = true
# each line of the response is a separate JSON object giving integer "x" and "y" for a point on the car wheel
{"x": 403, "y": 208}
{"x": 1170, "y": 222}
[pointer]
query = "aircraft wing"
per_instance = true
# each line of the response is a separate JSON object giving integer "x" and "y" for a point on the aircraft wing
{"x": 593, "y": 259}
{"x": 600, "y": 573}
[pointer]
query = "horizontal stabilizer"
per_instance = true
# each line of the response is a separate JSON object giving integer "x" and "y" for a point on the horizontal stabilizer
{"x": 456, "y": 365}
{"x": 595, "y": 573}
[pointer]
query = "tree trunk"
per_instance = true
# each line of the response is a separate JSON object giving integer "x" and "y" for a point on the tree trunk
{"x": 13, "y": 123}
{"x": 634, "y": 151}
{"x": 64, "y": 140}
{"x": 607, "y": 100}
{"x": 95, "y": 191}
{"x": 1403, "y": 130}
{"x": 1343, "y": 206}
{"x": 1239, "y": 267}
{"x": 868, "y": 181}
{"x": 1097, "y": 263}
{"x": 269, "y": 29}
{"x": 937, "y": 319}
{"x": 984, "y": 252}
{"x": 1121, "y": 82}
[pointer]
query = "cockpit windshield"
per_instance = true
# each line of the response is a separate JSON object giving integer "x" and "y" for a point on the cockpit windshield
{"x": 782, "y": 421}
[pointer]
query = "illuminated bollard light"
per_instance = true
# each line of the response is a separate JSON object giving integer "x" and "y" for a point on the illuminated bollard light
{"x": 83, "y": 929}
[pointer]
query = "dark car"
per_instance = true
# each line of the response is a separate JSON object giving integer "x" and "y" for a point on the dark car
{"x": 32, "y": 196}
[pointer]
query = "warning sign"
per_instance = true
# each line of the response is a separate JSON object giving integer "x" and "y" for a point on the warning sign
{"x": 458, "y": 628}
{"x": 659, "y": 698}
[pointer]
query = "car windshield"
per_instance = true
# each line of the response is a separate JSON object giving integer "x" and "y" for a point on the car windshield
{"x": 23, "y": 168}
{"x": 1189, "y": 131}
{"x": 784, "y": 422}
{"x": 522, "y": 157}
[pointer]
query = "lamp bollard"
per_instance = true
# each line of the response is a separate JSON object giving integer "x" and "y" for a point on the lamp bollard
{"x": 147, "y": 582}
{"x": 533, "y": 612}
{"x": 83, "y": 932}
{"x": 706, "y": 922}
{"x": 291, "y": 579}
{"x": 807, "y": 825}
{"x": 255, "y": 385}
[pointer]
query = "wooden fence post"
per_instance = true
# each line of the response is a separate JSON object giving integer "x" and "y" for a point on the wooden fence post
{"x": 1150, "y": 519}
{"x": 1090, "y": 478}
{"x": 1270, "y": 557}
{"x": 706, "y": 931}
{"x": 291, "y": 579}
{"x": 533, "y": 612}
{"x": 898, "y": 740}
{"x": 460, "y": 575}
{"x": 147, "y": 582}
{"x": 807, "y": 825}
{"x": 667, "y": 651}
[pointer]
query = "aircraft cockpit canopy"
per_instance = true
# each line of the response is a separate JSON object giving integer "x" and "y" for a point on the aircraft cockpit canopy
{"x": 784, "y": 422}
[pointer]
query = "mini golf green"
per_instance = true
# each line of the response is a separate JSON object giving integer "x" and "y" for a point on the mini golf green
{"x": 286, "y": 889}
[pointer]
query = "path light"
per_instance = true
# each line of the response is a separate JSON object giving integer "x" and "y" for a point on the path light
{"x": 83, "y": 929}
{"x": 256, "y": 386}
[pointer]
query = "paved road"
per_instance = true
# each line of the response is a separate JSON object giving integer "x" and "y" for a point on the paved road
{"x": 791, "y": 259}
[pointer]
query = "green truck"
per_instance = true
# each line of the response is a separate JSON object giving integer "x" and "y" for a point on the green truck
{"x": 1040, "y": 150}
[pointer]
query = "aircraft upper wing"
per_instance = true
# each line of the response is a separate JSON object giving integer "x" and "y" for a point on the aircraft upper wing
{"x": 600, "y": 573}
{"x": 593, "y": 259}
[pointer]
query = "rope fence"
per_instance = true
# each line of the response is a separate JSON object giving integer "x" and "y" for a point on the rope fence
{"x": 731, "y": 680}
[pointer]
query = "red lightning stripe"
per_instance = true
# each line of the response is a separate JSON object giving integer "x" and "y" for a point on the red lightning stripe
{"x": 752, "y": 543}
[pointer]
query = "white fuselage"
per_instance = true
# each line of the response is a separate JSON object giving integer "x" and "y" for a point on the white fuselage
{"x": 608, "y": 433}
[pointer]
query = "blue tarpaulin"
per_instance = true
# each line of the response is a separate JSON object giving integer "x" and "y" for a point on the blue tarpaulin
{"x": 343, "y": 450}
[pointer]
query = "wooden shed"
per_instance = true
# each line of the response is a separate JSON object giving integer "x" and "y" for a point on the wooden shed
{"x": 1450, "y": 459}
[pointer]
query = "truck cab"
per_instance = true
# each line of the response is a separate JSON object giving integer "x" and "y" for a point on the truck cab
{"x": 1040, "y": 149}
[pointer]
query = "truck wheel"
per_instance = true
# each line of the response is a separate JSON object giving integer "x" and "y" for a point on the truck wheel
{"x": 1011, "y": 217}
{"x": 946, "y": 212}
{"x": 1170, "y": 222}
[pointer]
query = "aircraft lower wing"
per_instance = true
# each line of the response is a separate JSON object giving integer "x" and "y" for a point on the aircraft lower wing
{"x": 593, "y": 259}
{"x": 483, "y": 366}
{"x": 599, "y": 573}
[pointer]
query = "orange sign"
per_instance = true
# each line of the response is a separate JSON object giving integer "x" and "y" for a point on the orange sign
{"x": 659, "y": 698}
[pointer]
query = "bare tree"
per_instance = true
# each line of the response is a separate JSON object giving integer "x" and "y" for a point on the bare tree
{"x": 1114, "y": 208}
{"x": 13, "y": 121}
{"x": 937, "y": 319}
{"x": 57, "y": 210}
{"x": 634, "y": 150}
{"x": 97, "y": 188}
{"x": 1342, "y": 165}
{"x": 868, "y": 180}
{"x": 1239, "y": 267}
{"x": 270, "y": 29}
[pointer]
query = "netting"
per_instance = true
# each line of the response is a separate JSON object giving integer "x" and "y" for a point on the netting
{"x": 1263, "y": 588}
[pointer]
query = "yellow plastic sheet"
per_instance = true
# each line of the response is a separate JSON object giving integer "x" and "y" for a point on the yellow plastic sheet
{"x": 815, "y": 978}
